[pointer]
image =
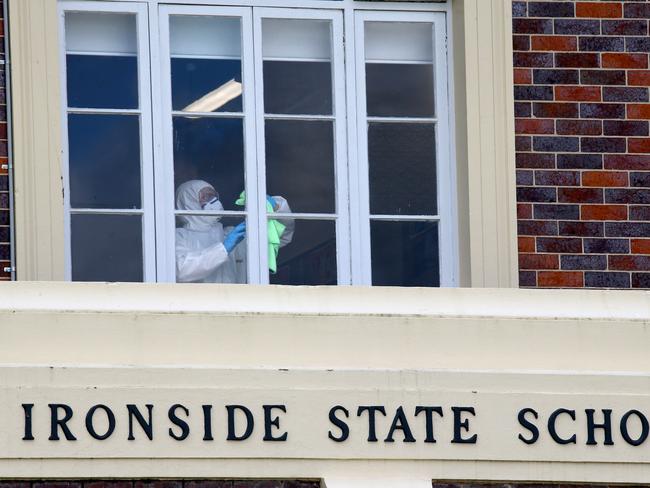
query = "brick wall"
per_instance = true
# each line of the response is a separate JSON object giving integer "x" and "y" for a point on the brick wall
{"x": 160, "y": 484}
{"x": 583, "y": 146}
{"x": 5, "y": 252}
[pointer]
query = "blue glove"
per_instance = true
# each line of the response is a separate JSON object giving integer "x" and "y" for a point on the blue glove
{"x": 235, "y": 237}
{"x": 271, "y": 201}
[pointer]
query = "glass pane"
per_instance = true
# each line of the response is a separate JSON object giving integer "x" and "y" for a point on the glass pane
{"x": 399, "y": 90}
{"x": 210, "y": 249}
{"x": 399, "y": 69}
{"x": 106, "y": 248}
{"x": 402, "y": 164}
{"x": 297, "y": 66}
{"x": 101, "y": 33}
{"x": 300, "y": 163}
{"x": 310, "y": 256}
{"x": 211, "y": 150}
{"x": 102, "y": 81}
{"x": 404, "y": 253}
{"x": 104, "y": 161}
{"x": 206, "y": 64}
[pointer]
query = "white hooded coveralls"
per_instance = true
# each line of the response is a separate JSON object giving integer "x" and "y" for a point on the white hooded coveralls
{"x": 201, "y": 256}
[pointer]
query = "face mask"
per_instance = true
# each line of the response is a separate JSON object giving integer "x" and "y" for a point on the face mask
{"x": 213, "y": 205}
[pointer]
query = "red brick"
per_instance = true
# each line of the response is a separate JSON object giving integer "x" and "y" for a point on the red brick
{"x": 560, "y": 279}
{"x": 639, "y": 246}
{"x": 568, "y": 245}
{"x": 524, "y": 211}
{"x": 557, "y": 110}
{"x": 538, "y": 261}
{"x": 638, "y": 78}
{"x": 599, "y": 10}
{"x": 638, "y": 145}
{"x": 625, "y": 60}
{"x": 526, "y": 244}
{"x": 577, "y": 93}
{"x": 553, "y": 43}
{"x": 534, "y": 126}
{"x": 603, "y": 212}
{"x": 639, "y": 111}
{"x": 533, "y": 60}
{"x": 579, "y": 195}
{"x": 523, "y": 76}
{"x": 604, "y": 178}
{"x": 629, "y": 263}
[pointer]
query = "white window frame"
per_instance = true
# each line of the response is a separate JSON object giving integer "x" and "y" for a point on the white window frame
{"x": 143, "y": 112}
{"x": 352, "y": 219}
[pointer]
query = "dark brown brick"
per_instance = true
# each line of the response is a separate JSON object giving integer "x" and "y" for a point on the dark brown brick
{"x": 607, "y": 280}
{"x": 551, "y": 9}
{"x": 625, "y": 127}
{"x": 625, "y": 94}
{"x": 600, "y": 44}
{"x": 538, "y": 261}
{"x": 535, "y": 160}
{"x": 560, "y": 245}
{"x": 639, "y": 212}
{"x": 558, "y": 212}
{"x": 558, "y": 77}
{"x": 610, "y": 246}
{"x": 579, "y": 161}
{"x": 57, "y": 484}
{"x": 602, "y": 77}
{"x": 553, "y": 43}
{"x": 208, "y": 484}
{"x": 537, "y": 227}
{"x": 530, "y": 92}
{"x": 534, "y": 126}
{"x": 579, "y": 127}
{"x": 108, "y": 484}
{"x": 640, "y": 180}
{"x": 603, "y": 144}
{"x": 627, "y": 196}
{"x": 532, "y": 60}
{"x": 640, "y": 280}
{"x": 158, "y": 484}
{"x": 580, "y": 195}
{"x": 636, "y": 10}
{"x": 557, "y": 178}
{"x": 582, "y": 229}
{"x": 523, "y": 143}
{"x": 556, "y": 144}
{"x": 521, "y": 43}
{"x": 627, "y": 161}
{"x": 577, "y": 60}
{"x": 583, "y": 262}
{"x": 524, "y": 211}
{"x": 536, "y": 194}
{"x": 627, "y": 229}
{"x": 625, "y": 27}
{"x": 523, "y": 109}
{"x": 560, "y": 279}
{"x": 577, "y": 27}
{"x": 527, "y": 279}
{"x": 532, "y": 26}
{"x": 602, "y": 111}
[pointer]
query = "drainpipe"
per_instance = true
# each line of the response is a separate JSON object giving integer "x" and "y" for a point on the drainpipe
{"x": 10, "y": 166}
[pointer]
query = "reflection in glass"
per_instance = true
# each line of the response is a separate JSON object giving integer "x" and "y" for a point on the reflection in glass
{"x": 402, "y": 167}
{"x": 101, "y": 33}
{"x": 106, "y": 248}
{"x": 297, "y": 87}
{"x": 399, "y": 90}
{"x": 206, "y": 64}
{"x": 300, "y": 163}
{"x": 104, "y": 161}
{"x": 102, "y": 81}
{"x": 206, "y": 85}
{"x": 310, "y": 259}
{"x": 211, "y": 149}
{"x": 399, "y": 41}
{"x": 404, "y": 253}
{"x": 199, "y": 256}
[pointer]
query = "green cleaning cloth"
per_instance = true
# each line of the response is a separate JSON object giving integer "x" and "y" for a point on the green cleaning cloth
{"x": 274, "y": 232}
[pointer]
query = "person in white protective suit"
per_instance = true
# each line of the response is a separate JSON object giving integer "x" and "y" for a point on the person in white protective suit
{"x": 205, "y": 251}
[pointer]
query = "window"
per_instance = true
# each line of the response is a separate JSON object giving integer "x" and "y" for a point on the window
{"x": 339, "y": 113}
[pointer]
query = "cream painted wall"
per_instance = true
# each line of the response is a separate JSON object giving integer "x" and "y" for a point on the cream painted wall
{"x": 484, "y": 134}
{"x": 310, "y": 349}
